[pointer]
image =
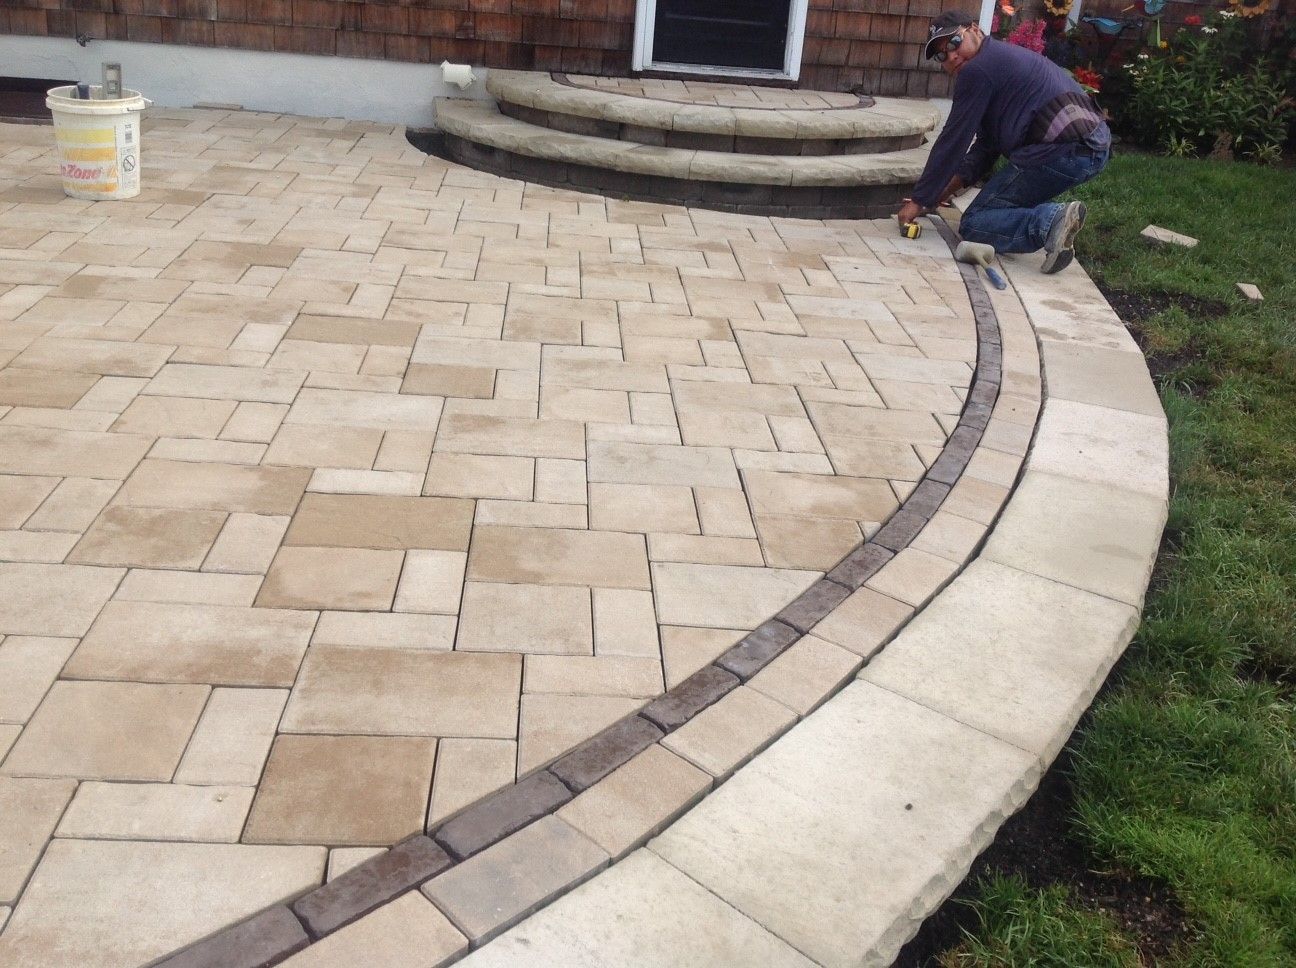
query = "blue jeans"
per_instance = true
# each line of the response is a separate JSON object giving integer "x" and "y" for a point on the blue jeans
{"x": 1014, "y": 213}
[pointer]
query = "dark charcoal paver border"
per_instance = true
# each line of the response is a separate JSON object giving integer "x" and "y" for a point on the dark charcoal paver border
{"x": 276, "y": 933}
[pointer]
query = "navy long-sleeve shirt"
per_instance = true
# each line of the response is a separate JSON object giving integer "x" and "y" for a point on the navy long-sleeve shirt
{"x": 997, "y": 96}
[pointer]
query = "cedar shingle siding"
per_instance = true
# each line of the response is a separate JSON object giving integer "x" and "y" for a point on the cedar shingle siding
{"x": 874, "y": 45}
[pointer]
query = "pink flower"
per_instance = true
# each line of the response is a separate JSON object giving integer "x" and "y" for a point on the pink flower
{"x": 1029, "y": 34}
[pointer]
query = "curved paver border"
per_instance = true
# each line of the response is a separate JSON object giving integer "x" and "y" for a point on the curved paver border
{"x": 832, "y": 846}
{"x": 777, "y": 674}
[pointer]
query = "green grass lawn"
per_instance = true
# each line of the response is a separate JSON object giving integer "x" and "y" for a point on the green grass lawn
{"x": 1186, "y": 771}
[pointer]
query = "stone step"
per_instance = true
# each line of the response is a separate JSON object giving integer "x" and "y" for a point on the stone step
{"x": 481, "y": 123}
{"x": 713, "y": 117}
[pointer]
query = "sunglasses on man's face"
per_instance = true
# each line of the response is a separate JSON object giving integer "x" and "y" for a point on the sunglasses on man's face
{"x": 950, "y": 45}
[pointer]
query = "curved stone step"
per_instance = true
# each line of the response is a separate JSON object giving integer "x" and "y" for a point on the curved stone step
{"x": 868, "y": 126}
{"x": 482, "y": 123}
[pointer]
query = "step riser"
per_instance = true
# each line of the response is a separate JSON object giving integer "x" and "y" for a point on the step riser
{"x": 703, "y": 141}
{"x": 865, "y": 202}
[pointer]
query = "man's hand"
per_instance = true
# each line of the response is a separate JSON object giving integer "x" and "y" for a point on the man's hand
{"x": 909, "y": 211}
{"x": 954, "y": 187}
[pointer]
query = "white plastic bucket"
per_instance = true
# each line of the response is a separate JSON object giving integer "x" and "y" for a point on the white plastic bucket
{"x": 98, "y": 142}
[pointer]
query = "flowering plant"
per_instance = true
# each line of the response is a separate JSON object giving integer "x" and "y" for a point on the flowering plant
{"x": 1193, "y": 20}
{"x": 1089, "y": 79}
{"x": 1029, "y": 34}
{"x": 1211, "y": 93}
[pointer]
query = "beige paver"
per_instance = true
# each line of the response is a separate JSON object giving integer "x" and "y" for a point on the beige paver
{"x": 247, "y": 543}
{"x": 188, "y": 890}
{"x": 232, "y": 739}
{"x": 405, "y": 692}
{"x": 604, "y": 675}
{"x": 32, "y": 808}
{"x": 727, "y": 734}
{"x": 479, "y": 476}
{"x": 636, "y": 800}
{"x": 342, "y": 790}
{"x": 788, "y": 854}
{"x": 499, "y": 617}
{"x": 149, "y": 538}
{"x": 216, "y": 487}
{"x": 335, "y": 578}
{"x": 171, "y": 642}
{"x": 386, "y": 630}
{"x": 108, "y": 730}
{"x": 157, "y": 811}
{"x": 723, "y": 596}
{"x": 28, "y": 667}
{"x": 69, "y": 453}
{"x": 409, "y": 930}
{"x": 468, "y": 769}
{"x": 811, "y": 669}
{"x": 643, "y": 507}
{"x": 508, "y": 880}
{"x": 685, "y": 650}
{"x": 550, "y": 725}
{"x": 377, "y": 521}
{"x": 558, "y": 557}
{"x": 642, "y": 911}
{"x": 58, "y": 600}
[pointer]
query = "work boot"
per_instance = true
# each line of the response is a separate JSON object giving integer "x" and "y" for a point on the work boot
{"x": 1058, "y": 247}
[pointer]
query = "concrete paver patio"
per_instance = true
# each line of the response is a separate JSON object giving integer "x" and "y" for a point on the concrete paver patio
{"x": 341, "y": 486}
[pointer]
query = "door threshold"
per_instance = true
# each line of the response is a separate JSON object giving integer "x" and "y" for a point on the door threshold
{"x": 702, "y": 72}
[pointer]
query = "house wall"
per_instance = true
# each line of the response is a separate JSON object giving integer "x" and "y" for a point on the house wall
{"x": 871, "y": 45}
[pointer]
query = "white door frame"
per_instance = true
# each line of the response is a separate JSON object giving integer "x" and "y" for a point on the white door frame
{"x": 646, "y": 20}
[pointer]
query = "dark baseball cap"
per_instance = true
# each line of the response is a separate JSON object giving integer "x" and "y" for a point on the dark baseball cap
{"x": 946, "y": 25}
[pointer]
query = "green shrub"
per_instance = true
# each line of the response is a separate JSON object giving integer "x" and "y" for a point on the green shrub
{"x": 1207, "y": 93}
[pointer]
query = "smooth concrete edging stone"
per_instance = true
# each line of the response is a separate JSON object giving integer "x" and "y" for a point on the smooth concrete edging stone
{"x": 846, "y": 832}
{"x": 608, "y": 795}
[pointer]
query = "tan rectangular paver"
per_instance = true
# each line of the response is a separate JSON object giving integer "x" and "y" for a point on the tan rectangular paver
{"x": 74, "y": 504}
{"x": 217, "y": 487}
{"x": 466, "y": 433}
{"x": 386, "y": 630}
{"x": 310, "y": 446}
{"x": 550, "y": 725}
{"x": 406, "y": 931}
{"x": 377, "y": 790}
{"x": 558, "y": 557}
{"x": 108, "y": 730}
{"x": 726, "y": 735}
{"x": 505, "y": 617}
{"x": 467, "y": 770}
{"x": 360, "y": 408}
{"x": 417, "y": 692}
{"x": 627, "y": 807}
{"x": 69, "y": 453}
{"x": 193, "y": 643}
{"x": 232, "y": 739}
{"x": 157, "y": 811}
{"x": 501, "y": 885}
{"x": 60, "y": 600}
{"x": 159, "y": 416}
{"x": 226, "y": 383}
{"x": 28, "y": 667}
{"x": 351, "y": 579}
{"x": 102, "y": 928}
{"x": 31, "y": 808}
{"x": 247, "y": 543}
{"x": 604, "y": 675}
{"x": 149, "y": 538}
{"x": 376, "y": 521}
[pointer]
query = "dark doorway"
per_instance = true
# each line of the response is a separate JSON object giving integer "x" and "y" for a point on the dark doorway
{"x": 721, "y": 33}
